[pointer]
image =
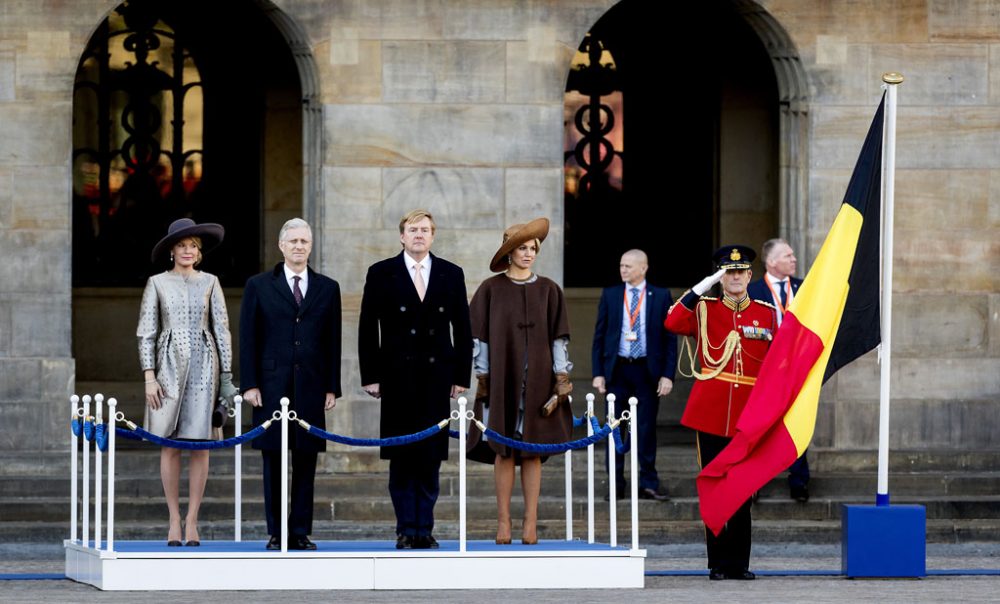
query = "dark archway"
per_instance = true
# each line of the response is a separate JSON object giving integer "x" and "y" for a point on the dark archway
{"x": 715, "y": 145}
{"x": 230, "y": 120}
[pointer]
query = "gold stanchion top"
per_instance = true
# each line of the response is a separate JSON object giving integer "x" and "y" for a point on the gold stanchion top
{"x": 892, "y": 77}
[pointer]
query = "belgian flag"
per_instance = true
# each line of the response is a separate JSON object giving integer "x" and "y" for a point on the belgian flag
{"x": 833, "y": 319}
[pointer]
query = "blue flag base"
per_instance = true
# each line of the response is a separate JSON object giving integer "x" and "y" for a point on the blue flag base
{"x": 884, "y": 541}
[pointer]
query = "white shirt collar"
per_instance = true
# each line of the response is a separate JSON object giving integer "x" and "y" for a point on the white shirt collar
{"x": 774, "y": 279}
{"x": 641, "y": 286}
{"x": 425, "y": 264}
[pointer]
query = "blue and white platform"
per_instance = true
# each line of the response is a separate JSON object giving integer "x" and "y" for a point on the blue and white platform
{"x": 93, "y": 556}
{"x": 247, "y": 565}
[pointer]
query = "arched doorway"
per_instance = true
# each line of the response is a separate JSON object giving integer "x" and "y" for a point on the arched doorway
{"x": 179, "y": 112}
{"x": 715, "y": 148}
{"x": 709, "y": 147}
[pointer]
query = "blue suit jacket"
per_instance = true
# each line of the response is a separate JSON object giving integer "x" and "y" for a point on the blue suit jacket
{"x": 661, "y": 345}
{"x": 758, "y": 290}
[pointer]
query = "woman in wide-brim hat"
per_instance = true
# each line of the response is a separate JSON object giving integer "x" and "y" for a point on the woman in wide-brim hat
{"x": 186, "y": 354}
{"x": 521, "y": 333}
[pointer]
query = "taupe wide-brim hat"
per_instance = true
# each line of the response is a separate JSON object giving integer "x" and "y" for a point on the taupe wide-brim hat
{"x": 514, "y": 236}
{"x": 211, "y": 235}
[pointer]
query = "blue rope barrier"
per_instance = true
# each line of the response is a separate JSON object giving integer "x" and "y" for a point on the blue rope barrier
{"x": 197, "y": 445}
{"x": 130, "y": 435}
{"x": 392, "y": 441}
{"x": 88, "y": 429}
{"x": 579, "y": 421}
{"x": 581, "y": 443}
{"x": 77, "y": 426}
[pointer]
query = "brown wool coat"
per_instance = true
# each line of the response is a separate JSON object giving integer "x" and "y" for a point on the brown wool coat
{"x": 516, "y": 320}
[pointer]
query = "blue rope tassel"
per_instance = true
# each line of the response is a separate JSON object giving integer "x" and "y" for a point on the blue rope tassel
{"x": 393, "y": 441}
{"x": 101, "y": 436}
{"x": 77, "y": 426}
{"x": 621, "y": 447}
{"x": 546, "y": 448}
{"x": 199, "y": 445}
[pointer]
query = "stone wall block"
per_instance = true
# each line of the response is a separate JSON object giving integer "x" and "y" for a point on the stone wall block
{"x": 7, "y": 76}
{"x": 927, "y": 137}
{"x": 57, "y": 379}
{"x": 937, "y": 74}
{"x": 930, "y": 260}
{"x": 457, "y": 135}
{"x": 352, "y": 198}
{"x": 35, "y": 262}
{"x": 470, "y": 249}
{"x": 992, "y": 325}
{"x": 419, "y": 20}
{"x": 41, "y": 327}
{"x": 20, "y": 380}
{"x": 866, "y": 21}
{"x": 353, "y": 71}
{"x": 856, "y": 424}
{"x": 537, "y": 70}
{"x": 952, "y": 325}
{"x": 962, "y": 21}
{"x": 40, "y": 201}
{"x": 20, "y": 426}
{"x": 35, "y": 134}
{"x": 6, "y": 198}
{"x": 918, "y": 379}
{"x": 5, "y": 326}
{"x": 44, "y": 77}
{"x": 942, "y": 199}
{"x": 443, "y": 72}
{"x": 533, "y": 193}
{"x": 352, "y": 252}
{"x": 993, "y": 205}
{"x": 994, "y": 74}
{"x": 842, "y": 73}
{"x": 466, "y": 198}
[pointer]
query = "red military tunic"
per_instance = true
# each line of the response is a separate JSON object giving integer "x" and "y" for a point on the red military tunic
{"x": 715, "y": 404}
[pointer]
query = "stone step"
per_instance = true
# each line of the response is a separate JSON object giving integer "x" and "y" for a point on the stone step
{"x": 651, "y": 532}
{"x": 365, "y": 509}
{"x": 479, "y": 484}
{"x": 680, "y": 459}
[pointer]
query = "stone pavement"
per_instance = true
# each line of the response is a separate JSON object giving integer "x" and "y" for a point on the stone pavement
{"x": 46, "y": 558}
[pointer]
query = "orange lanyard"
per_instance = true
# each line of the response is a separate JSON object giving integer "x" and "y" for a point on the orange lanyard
{"x": 634, "y": 316}
{"x": 776, "y": 297}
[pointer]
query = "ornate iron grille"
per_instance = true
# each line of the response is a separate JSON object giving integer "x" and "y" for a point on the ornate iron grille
{"x": 137, "y": 144}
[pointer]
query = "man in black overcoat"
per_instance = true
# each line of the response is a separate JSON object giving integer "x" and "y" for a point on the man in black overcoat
{"x": 415, "y": 352}
{"x": 290, "y": 347}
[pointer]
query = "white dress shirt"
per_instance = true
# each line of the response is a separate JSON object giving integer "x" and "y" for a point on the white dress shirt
{"x": 425, "y": 268}
{"x": 303, "y": 284}
{"x": 624, "y": 346}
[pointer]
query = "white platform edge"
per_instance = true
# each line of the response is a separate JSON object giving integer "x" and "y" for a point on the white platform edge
{"x": 542, "y": 569}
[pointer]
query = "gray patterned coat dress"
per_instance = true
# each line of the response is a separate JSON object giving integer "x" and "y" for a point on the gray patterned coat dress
{"x": 184, "y": 337}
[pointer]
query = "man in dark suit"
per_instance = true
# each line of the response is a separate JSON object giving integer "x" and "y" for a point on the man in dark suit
{"x": 778, "y": 287}
{"x": 634, "y": 355}
{"x": 415, "y": 352}
{"x": 290, "y": 347}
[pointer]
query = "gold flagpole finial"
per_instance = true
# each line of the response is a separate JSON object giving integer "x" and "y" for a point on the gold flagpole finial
{"x": 892, "y": 77}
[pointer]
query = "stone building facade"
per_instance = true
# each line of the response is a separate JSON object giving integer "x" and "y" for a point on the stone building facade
{"x": 457, "y": 105}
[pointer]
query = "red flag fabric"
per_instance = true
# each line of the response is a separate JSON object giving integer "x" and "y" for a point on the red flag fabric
{"x": 833, "y": 319}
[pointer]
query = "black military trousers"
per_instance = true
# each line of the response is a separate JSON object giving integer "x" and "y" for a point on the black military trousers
{"x": 730, "y": 550}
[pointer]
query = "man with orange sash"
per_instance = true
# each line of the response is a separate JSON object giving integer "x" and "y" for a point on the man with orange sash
{"x": 731, "y": 335}
{"x": 779, "y": 286}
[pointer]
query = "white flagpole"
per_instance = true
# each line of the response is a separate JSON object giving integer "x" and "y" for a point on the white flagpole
{"x": 892, "y": 81}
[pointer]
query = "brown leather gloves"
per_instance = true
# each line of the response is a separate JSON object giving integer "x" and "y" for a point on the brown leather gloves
{"x": 560, "y": 394}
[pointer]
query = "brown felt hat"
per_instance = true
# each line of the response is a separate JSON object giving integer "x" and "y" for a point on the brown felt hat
{"x": 514, "y": 236}
{"x": 211, "y": 235}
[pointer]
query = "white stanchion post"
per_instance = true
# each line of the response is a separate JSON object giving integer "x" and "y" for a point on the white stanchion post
{"x": 569, "y": 490}
{"x": 98, "y": 457}
{"x": 590, "y": 471}
{"x": 112, "y": 423}
{"x": 284, "y": 475}
{"x": 85, "y": 532}
{"x": 633, "y": 435}
{"x": 238, "y": 471}
{"x": 462, "y": 404}
{"x": 74, "y": 493}
{"x": 612, "y": 479}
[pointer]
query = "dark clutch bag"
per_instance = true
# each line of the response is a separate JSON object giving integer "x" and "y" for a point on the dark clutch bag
{"x": 220, "y": 413}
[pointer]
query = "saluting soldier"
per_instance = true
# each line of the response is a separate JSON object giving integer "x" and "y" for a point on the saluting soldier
{"x": 732, "y": 335}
